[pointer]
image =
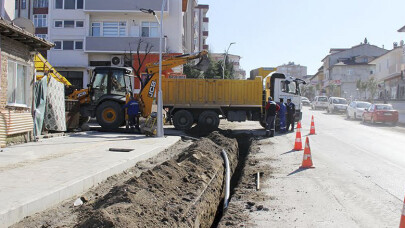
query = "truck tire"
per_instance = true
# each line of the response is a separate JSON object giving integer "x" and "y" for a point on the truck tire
{"x": 183, "y": 120}
{"x": 110, "y": 115}
{"x": 209, "y": 120}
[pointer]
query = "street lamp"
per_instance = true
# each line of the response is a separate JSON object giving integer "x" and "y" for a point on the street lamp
{"x": 223, "y": 63}
{"x": 160, "y": 132}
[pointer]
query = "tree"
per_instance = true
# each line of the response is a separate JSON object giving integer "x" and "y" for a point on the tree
{"x": 129, "y": 60}
{"x": 372, "y": 87}
{"x": 362, "y": 87}
{"x": 190, "y": 72}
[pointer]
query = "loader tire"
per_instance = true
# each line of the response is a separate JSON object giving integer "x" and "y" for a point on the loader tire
{"x": 209, "y": 120}
{"x": 183, "y": 120}
{"x": 110, "y": 115}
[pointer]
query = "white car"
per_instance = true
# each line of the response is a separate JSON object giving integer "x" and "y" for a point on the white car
{"x": 336, "y": 104}
{"x": 320, "y": 102}
{"x": 356, "y": 109}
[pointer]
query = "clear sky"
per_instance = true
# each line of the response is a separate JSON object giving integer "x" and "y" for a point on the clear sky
{"x": 269, "y": 33}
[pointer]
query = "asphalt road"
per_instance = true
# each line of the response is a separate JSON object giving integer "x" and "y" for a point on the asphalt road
{"x": 358, "y": 180}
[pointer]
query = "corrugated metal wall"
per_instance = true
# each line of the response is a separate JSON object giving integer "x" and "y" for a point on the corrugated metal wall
{"x": 17, "y": 122}
{"x": 2, "y": 131}
{"x": 212, "y": 92}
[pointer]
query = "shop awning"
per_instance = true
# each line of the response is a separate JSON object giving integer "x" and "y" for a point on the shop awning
{"x": 42, "y": 65}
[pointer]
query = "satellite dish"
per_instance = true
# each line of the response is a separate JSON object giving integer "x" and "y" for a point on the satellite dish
{"x": 25, "y": 24}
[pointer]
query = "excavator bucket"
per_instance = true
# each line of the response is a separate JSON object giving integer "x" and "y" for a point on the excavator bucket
{"x": 203, "y": 64}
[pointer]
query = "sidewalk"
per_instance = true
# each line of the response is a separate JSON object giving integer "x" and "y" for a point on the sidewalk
{"x": 36, "y": 176}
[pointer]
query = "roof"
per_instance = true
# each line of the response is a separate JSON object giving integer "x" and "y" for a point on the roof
{"x": 10, "y": 30}
{"x": 402, "y": 29}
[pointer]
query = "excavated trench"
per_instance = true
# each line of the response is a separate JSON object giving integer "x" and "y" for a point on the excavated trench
{"x": 186, "y": 191}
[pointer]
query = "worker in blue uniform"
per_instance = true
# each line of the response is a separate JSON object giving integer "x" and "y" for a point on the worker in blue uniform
{"x": 282, "y": 115}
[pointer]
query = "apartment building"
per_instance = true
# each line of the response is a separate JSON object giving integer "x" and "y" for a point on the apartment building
{"x": 343, "y": 67}
{"x": 100, "y": 32}
{"x": 293, "y": 70}
{"x": 202, "y": 25}
{"x": 239, "y": 73}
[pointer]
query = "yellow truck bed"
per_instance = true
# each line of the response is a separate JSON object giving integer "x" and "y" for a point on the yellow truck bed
{"x": 212, "y": 92}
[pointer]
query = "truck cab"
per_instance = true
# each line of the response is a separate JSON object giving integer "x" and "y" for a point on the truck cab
{"x": 279, "y": 86}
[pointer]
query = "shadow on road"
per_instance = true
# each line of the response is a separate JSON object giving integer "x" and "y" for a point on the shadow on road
{"x": 296, "y": 171}
{"x": 291, "y": 151}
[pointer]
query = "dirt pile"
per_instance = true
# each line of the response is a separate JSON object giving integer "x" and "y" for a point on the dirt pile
{"x": 182, "y": 192}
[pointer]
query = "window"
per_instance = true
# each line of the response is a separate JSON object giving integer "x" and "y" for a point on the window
{"x": 18, "y": 83}
{"x": 40, "y": 3}
{"x": 79, "y": 4}
{"x": 109, "y": 29}
{"x": 69, "y": 24}
{"x": 79, "y": 24}
{"x": 58, "y": 4}
{"x": 58, "y": 24}
{"x": 78, "y": 45}
{"x": 150, "y": 29}
{"x": 58, "y": 45}
{"x": 68, "y": 45}
{"x": 40, "y": 21}
{"x": 23, "y": 4}
{"x": 96, "y": 29}
{"x": 68, "y": 4}
{"x": 16, "y": 4}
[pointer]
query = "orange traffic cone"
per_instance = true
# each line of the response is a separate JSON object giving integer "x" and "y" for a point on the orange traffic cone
{"x": 312, "y": 131}
{"x": 298, "y": 141}
{"x": 402, "y": 224}
{"x": 299, "y": 125}
{"x": 307, "y": 159}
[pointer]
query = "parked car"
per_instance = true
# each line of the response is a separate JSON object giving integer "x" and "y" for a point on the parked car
{"x": 336, "y": 104}
{"x": 381, "y": 113}
{"x": 305, "y": 101}
{"x": 356, "y": 108}
{"x": 320, "y": 102}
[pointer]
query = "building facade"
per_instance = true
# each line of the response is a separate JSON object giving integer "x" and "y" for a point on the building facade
{"x": 202, "y": 26}
{"x": 388, "y": 73}
{"x": 293, "y": 70}
{"x": 104, "y": 33}
{"x": 342, "y": 69}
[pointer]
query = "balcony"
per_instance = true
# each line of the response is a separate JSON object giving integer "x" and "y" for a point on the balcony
{"x": 121, "y": 44}
{"x": 122, "y": 5}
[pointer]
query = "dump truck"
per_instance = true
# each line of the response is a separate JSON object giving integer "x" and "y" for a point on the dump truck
{"x": 206, "y": 101}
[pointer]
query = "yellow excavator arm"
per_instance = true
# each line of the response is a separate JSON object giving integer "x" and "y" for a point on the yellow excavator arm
{"x": 148, "y": 91}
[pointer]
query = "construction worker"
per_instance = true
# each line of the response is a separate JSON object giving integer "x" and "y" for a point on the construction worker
{"x": 133, "y": 113}
{"x": 271, "y": 110}
{"x": 290, "y": 114}
{"x": 281, "y": 113}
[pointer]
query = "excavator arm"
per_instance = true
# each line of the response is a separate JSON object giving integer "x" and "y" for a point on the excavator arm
{"x": 148, "y": 91}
